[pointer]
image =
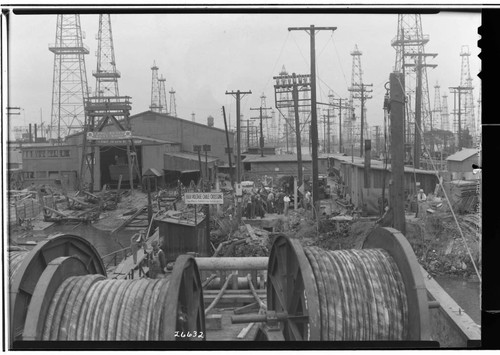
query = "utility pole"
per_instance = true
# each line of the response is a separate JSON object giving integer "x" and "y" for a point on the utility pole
{"x": 295, "y": 83}
{"x": 419, "y": 65}
{"x": 314, "y": 115}
{"x": 261, "y": 141}
{"x": 229, "y": 150}
{"x": 458, "y": 90}
{"x": 361, "y": 89}
{"x": 397, "y": 151}
{"x": 238, "y": 95}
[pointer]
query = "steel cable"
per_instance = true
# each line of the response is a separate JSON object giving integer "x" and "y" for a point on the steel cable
{"x": 92, "y": 307}
{"x": 361, "y": 294}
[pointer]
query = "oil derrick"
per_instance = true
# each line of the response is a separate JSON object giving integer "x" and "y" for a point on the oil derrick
{"x": 468, "y": 118}
{"x": 358, "y": 91}
{"x": 263, "y": 103}
{"x": 438, "y": 119}
{"x": 105, "y": 108}
{"x": 106, "y": 74}
{"x": 155, "y": 90}
{"x": 163, "y": 95}
{"x": 410, "y": 46}
{"x": 69, "y": 87}
{"x": 173, "y": 106}
{"x": 445, "y": 117}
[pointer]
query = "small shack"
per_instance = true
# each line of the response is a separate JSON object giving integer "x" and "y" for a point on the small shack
{"x": 460, "y": 164}
{"x": 183, "y": 232}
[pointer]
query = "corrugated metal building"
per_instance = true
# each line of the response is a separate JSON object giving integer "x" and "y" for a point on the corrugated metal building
{"x": 277, "y": 166}
{"x": 352, "y": 173}
{"x": 155, "y": 135}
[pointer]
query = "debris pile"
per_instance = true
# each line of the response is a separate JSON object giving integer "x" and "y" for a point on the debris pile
{"x": 243, "y": 242}
{"x": 440, "y": 248}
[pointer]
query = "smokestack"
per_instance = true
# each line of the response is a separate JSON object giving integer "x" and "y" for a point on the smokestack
{"x": 210, "y": 121}
{"x": 30, "y": 138}
{"x": 35, "y": 133}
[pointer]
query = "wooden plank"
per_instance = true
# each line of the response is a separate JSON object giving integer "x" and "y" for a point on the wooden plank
{"x": 124, "y": 224}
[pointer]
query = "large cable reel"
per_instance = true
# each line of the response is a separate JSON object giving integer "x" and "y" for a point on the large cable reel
{"x": 69, "y": 303}
{"x": 374, "y": 293}
{"x": 26, "y": 268}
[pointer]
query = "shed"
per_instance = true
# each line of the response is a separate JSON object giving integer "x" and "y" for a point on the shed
{"x": 460, "y": 163}
{"x": 181, "y": 233}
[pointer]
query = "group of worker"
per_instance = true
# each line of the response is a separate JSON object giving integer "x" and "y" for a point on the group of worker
{"x": 156, "y": 259}
{"x": 257, "y": 203}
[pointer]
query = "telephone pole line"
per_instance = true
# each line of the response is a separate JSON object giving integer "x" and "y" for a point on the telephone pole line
{"x": 419, "y": 65}
{"x": 261, "y": 141}
{"x": 311, "y": 31}
{"x": 361, "y": 89}
{"x": 238, "y": 95}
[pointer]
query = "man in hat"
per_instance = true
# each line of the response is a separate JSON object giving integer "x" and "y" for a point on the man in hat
{"x": 137, "y": 242}
{"x": 157, "y": 262}
{"x": 421, "y": 199}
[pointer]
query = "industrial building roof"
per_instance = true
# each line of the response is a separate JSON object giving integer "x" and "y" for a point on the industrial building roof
{"x": 191, "y": 156}
{"x": 278, "y": 158}
{"x": 463, "y": 154}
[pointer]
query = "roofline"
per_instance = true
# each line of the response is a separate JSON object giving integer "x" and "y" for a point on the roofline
{"x": 179, "y": 119}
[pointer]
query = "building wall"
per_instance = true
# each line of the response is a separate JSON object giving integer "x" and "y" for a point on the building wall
{"x": 180, "y": 164}
{"x": 152, "y": 157}
{"x": 462, "y": 166}
{"x": 44, "y": 164}
{"x": 161, "y": 126}
{"x": 285, "y": 168}
{"x": 353, "y": 177}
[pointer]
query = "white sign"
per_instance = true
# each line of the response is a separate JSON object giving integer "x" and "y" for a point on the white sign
{"x": 239, "y": 189}
{"x": 109, "y": 135}
{"x": 204, "y": 198}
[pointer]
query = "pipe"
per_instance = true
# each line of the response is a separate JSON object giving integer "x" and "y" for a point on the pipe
{"x": 247, "y": 263}
{"x": 215, "y": 283}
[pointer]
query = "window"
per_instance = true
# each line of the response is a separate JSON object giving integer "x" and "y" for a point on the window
{"x": 29, "y": 175}
{"x": 64, "y": 153}
{"x": 52, "y": 153}
{"x": 40, "y": 153}
{"x": 41, "y": 174}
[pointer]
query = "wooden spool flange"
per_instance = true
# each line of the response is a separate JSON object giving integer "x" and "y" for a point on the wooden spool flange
{"x": 25, "y": 278}
{"x": 182, "y": 300}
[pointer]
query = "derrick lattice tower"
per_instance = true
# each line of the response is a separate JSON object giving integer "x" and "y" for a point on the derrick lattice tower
{"x": 352, "y": 123}
{"x": 438, "y": 119}
{"x": 162, "y": 95}
{"x": 107, "y": 109}
{"x": 468, "y": 117}
{"x": 409, "y": 44}
{"x": 69, "y": 86}
{"x": 358, "y": 127}
{"x": 445, "y": 116}
{"x": 106, "y": 74}
{"x": 173, "y": 106}
{"x": 155, "y": 89}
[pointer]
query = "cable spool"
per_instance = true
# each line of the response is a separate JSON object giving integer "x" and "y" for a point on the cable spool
{"x": 376, "y": 293}
{"x": 71, "y": 304}
{"x": 26, "y": 267}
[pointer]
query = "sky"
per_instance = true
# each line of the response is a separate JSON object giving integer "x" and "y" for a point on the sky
{"x": 204, "y": 55}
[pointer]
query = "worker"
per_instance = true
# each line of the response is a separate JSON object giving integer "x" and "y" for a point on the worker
{"x": 157, "y": 262}
{"x": 137, "y": 242}
{"x": 307, "y": 200}
{"x": 286, "y": 202}
{"x": 270, "y": 202}
{"x": 421, "y": 199}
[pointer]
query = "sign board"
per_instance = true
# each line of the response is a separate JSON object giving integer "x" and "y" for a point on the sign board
{"x": 204, "y": 198}
{"x": 109, "y": 135}
{"x": 239, "y": 189}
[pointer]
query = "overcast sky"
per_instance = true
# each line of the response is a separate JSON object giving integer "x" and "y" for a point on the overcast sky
{"x": 203, "y": 55}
